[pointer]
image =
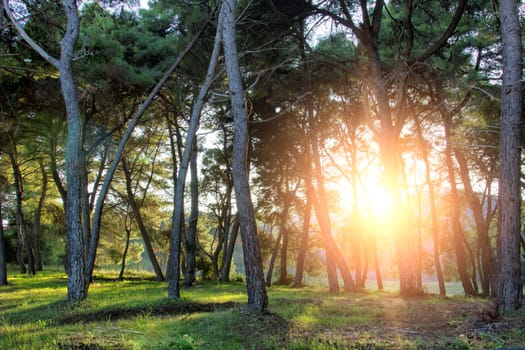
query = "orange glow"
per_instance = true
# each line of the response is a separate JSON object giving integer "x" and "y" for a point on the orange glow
{"x": 375, "y": 205}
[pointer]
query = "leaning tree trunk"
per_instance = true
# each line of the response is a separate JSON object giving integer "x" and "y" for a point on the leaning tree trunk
{"x": 191, "y": 134}
{"x": 257, "y": 296}
{"x": 275, "y": 250}
{"x": 124, "y": 254}
{"x": 303, "y": 247}
{"x": 140, "y": 223}
{"x": 228, "y": 254}
{"x": 457, "y": 229}
{"x": 510, "y": 290}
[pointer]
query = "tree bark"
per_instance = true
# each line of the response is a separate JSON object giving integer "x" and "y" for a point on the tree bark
{"x": 433, "y": 209}
{"x": 303, "y": 248}
{"x": 190, "y": 243}
{"x": 271, "y": 264}
{"x": 24, "y": 243}
{"x": 178, "y": 201}
{"x": 283, "y": 231}
{"x": 487, "y": 263}
{"x": 124, "y": 254}
{"x": 3, "y": 259}
{"x": 140, "y": 223}
{"x": 99, "y": 204}
{"x": 457, "y": 229}
{"x": 257, "y": 296}
{"x": 510, "y": 289}
{"x": 36, "y": 226}
{"x": 228, "y": 255}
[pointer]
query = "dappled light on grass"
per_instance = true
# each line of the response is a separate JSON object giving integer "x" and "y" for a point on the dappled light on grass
{"x": 137, "y": 315}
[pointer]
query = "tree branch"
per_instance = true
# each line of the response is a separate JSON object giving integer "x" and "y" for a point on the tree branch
{"x": 21, "y": 31}
{"x": 444, "y": 37}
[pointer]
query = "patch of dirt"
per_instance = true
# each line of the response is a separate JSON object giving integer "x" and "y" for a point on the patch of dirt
{"x": 436, "y": 323}
{"x": 157, "y": 310}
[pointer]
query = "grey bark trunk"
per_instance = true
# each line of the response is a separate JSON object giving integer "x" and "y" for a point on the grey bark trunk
{"x": 140, "y": 223}
{"x": 510, "y": 290}
{"x": 257, "y": 296}
{"x": 228, "y": 255}
{"x": 3, "y": 260}
{"x": 190, "y": 243}
{"x": 99, "y": 204}
{"x": 178, "y": 202}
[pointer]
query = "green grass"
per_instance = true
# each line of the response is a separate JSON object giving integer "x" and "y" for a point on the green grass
{"x": 136, "y": 314}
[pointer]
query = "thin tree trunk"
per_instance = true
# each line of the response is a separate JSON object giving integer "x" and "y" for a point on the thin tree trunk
{"x": 303, "y": 247}
{"x": 99, "y": 204}
{"x": 178, "y": 215}
{"x": 334, "y": 256}
{"x": 487, "y": 260}
{"x": 457, "y": 230}
{"x": 3, "y": 259}
{"x": 124, "y": 254}
{"x": 140, "y": 223}
{"x": 191, "y": 239}
{"x": 257, "y": 296}
{"x": 377, "y": 265}
{"x": 228, "y": 256}
{"x": 275, "y": 250}
{"x": 36, "y": 226}
{"x": 510, "y": 288}
{"x": 24, "y": 242}
{"x": 433, "y": 210}
{"x": 283, "y": 231}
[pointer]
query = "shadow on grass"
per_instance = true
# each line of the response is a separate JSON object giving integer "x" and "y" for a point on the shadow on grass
{"x": 116, "y": 313}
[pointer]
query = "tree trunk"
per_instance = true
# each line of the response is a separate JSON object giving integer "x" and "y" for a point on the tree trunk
{"x": 3, "y": 259}
{"x": 24, "y": 242}
{"x": 178, "y": 201}
{"x": 275, "y": 250}
{"x": 191, "y": 239}
{"x": 455, "y": 214}
{"x": 487, "y": 260}
{"x": 433, "y": 210}
{"x": 140, "y": 223}
{"x": 303, "y": 247}
{"x": 257, "y": 296}
{"x": 283, "y": 231}
{"x": 510, "y": 289}
{"x": 36, "y": 227}
{"x": 99, "y": 204}
{"x": 124, "y": 254}
{"x": 334, "y": 257}
{"x": 228, "y": 254}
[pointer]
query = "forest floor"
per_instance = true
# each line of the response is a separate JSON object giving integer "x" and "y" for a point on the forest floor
{"x": 136, "y": 314}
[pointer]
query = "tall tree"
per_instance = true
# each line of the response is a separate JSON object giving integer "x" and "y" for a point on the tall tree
{"x": 257, "y": 296}
{"x": 178, "y": 201}
{"x": 510, "y": 289}
{"x": 77, "y": 281}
